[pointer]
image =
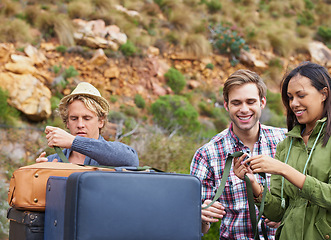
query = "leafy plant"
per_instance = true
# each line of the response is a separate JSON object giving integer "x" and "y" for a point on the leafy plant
{"x": 324, "y": 32}
{"x": 175, "y": 80}
{"x": 226, "y": 40}
{"x": 128, "y": 48}
{"x": 213, "y": 5}
{"x": 139, "y": 101}
{"x": 70, "y": 72}
{"x": 61, "y": 49}
{"x": 210, "y": 66}
{"x": 8, "y": 114}
{"x": 173, "y": 112}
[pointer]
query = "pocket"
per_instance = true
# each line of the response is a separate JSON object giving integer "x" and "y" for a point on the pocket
{"x": 324, "y": 228}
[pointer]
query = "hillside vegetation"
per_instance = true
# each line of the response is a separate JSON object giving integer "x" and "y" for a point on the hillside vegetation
{"x": 164, "y": 129}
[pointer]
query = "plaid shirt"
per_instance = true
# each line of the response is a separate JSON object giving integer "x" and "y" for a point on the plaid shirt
{"x": 208, "y": 165}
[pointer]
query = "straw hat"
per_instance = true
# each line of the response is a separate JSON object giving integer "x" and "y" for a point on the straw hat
{"x": 87, "y": 89}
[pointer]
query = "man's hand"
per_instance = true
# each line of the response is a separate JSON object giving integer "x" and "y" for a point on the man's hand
{"x": 42, "y": 158}
{"x": 211, "y": 214}
{"x": 58, "y": 137}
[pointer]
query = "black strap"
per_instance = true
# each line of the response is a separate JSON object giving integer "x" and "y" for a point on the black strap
{"x": 250, "y": 195}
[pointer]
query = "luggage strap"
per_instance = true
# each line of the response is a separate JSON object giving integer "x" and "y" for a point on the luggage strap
{"x": 64, "y": 159}
{"x": 61, "y": 154}
{"x": 250, "y": 196}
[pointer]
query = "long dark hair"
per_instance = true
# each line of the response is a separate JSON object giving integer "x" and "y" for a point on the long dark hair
{"x": 319, "y": 78}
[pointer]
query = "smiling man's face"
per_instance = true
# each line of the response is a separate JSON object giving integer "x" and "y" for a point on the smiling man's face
{"x": 245, "y": 107}
{"x": 83, "y": 122}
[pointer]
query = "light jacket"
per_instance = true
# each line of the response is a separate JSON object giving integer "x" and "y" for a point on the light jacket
{"x": 307, "y": 212}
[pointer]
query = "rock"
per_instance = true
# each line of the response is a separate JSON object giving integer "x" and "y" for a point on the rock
{"x": 153, "y": 51}
{"x": 27, "y": 94}
{"x": 112, "y": 72}
{"x": 37, "y": 57}
{"x": 248, "y": 58}
{"x": 99, "y": 58}
{"x": 6, "y": 49}
{"x": 20, "y": 68}
{"x": 320, "y": 53}
{"x": 193, "y": 84}
{"x": 20, "y": 58}
{"x": 158, "y": 90}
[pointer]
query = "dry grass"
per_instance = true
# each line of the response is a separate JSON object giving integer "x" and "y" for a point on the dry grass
{"x": 197, "y": 45}
{"x": 64, "y": 29}
{"x": 9, "y": 8}
{"x": 80, "y": 9}
{"x": 180, "y": 21}
{"x": 15, "y": 30}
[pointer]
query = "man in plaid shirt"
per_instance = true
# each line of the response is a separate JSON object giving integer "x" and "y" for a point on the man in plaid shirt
{"x": 244, "y": 98}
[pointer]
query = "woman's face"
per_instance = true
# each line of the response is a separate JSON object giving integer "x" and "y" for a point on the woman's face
{"x": 306, "y": 102}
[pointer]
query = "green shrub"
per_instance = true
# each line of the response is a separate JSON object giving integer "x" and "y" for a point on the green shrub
{"x": 129, "y": 110}
{"x": 8, "y": 114}
{"x": 113, "y": 99}
{"x": 55, "y": 102}
{"x": 70, "y": 72}
{"x": 213, "y": 5}
{"x": 175, "y": 79}
{"x": 226, "y": 40}
{"x": 306, "y": 18}
{"x": 175, "y": 113}
{"x": 128, "y": 49}
{"x": 139, "y": 101}
{"x": 210, "y": 66}
{"x": 325, "y": 33}
{"x": 61, "y": 49}
{"x": 274, "y": 102}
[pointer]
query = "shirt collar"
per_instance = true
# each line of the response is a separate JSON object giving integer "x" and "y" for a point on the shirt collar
{"x": 235, "y": 140}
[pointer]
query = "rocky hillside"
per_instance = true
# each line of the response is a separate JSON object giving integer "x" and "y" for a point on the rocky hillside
{"x": 125, "y": 48}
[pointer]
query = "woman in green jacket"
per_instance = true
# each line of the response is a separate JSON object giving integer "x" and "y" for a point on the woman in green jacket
{"x": 300, "y": 190}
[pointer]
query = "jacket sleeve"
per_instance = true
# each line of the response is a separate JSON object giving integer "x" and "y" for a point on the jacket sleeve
{"x": 317, "y": 192}
{"x": 106, "y": 153}
{"x": 272, "y": 209}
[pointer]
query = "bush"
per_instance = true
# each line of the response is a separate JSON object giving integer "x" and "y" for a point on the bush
{"x": 210, "y": 66}
{"x": 128, "y": 49}
{"x": 139, "y": 101}
{"x": 213, "y": 5}
{"x": 325, "y": 33}
{"x": 175, "y": 80}
{"x": 226, "y": 40}
{"x": 175, "y": 113}
{"x": 8, "y": 114}
{"x": 70, "y": 72}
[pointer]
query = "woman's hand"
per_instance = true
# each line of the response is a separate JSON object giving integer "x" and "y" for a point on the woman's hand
{"x": 266, "y": 164}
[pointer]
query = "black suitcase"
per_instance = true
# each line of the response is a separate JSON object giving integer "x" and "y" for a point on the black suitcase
{"x": 25, "y": 225}
{"x": 132, "y": 205}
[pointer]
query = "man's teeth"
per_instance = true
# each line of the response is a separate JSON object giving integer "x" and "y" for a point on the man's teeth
{"x": 244, "y": 118}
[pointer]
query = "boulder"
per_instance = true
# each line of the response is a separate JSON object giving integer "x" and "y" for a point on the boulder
{"x": 27, "y": 94}
{"x": 320, "y": 53}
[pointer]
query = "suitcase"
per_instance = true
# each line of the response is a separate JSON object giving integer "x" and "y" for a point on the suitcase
{"x": 25, "y": 225}
{"x": 132, "y": 205}
{"x": 54, "y": 211}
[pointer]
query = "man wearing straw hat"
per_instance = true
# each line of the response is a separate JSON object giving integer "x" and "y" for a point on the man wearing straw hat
{"x": 84, "y": 113}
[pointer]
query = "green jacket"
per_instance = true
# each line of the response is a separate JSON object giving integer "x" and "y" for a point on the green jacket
{"x": 307, "y": 212}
